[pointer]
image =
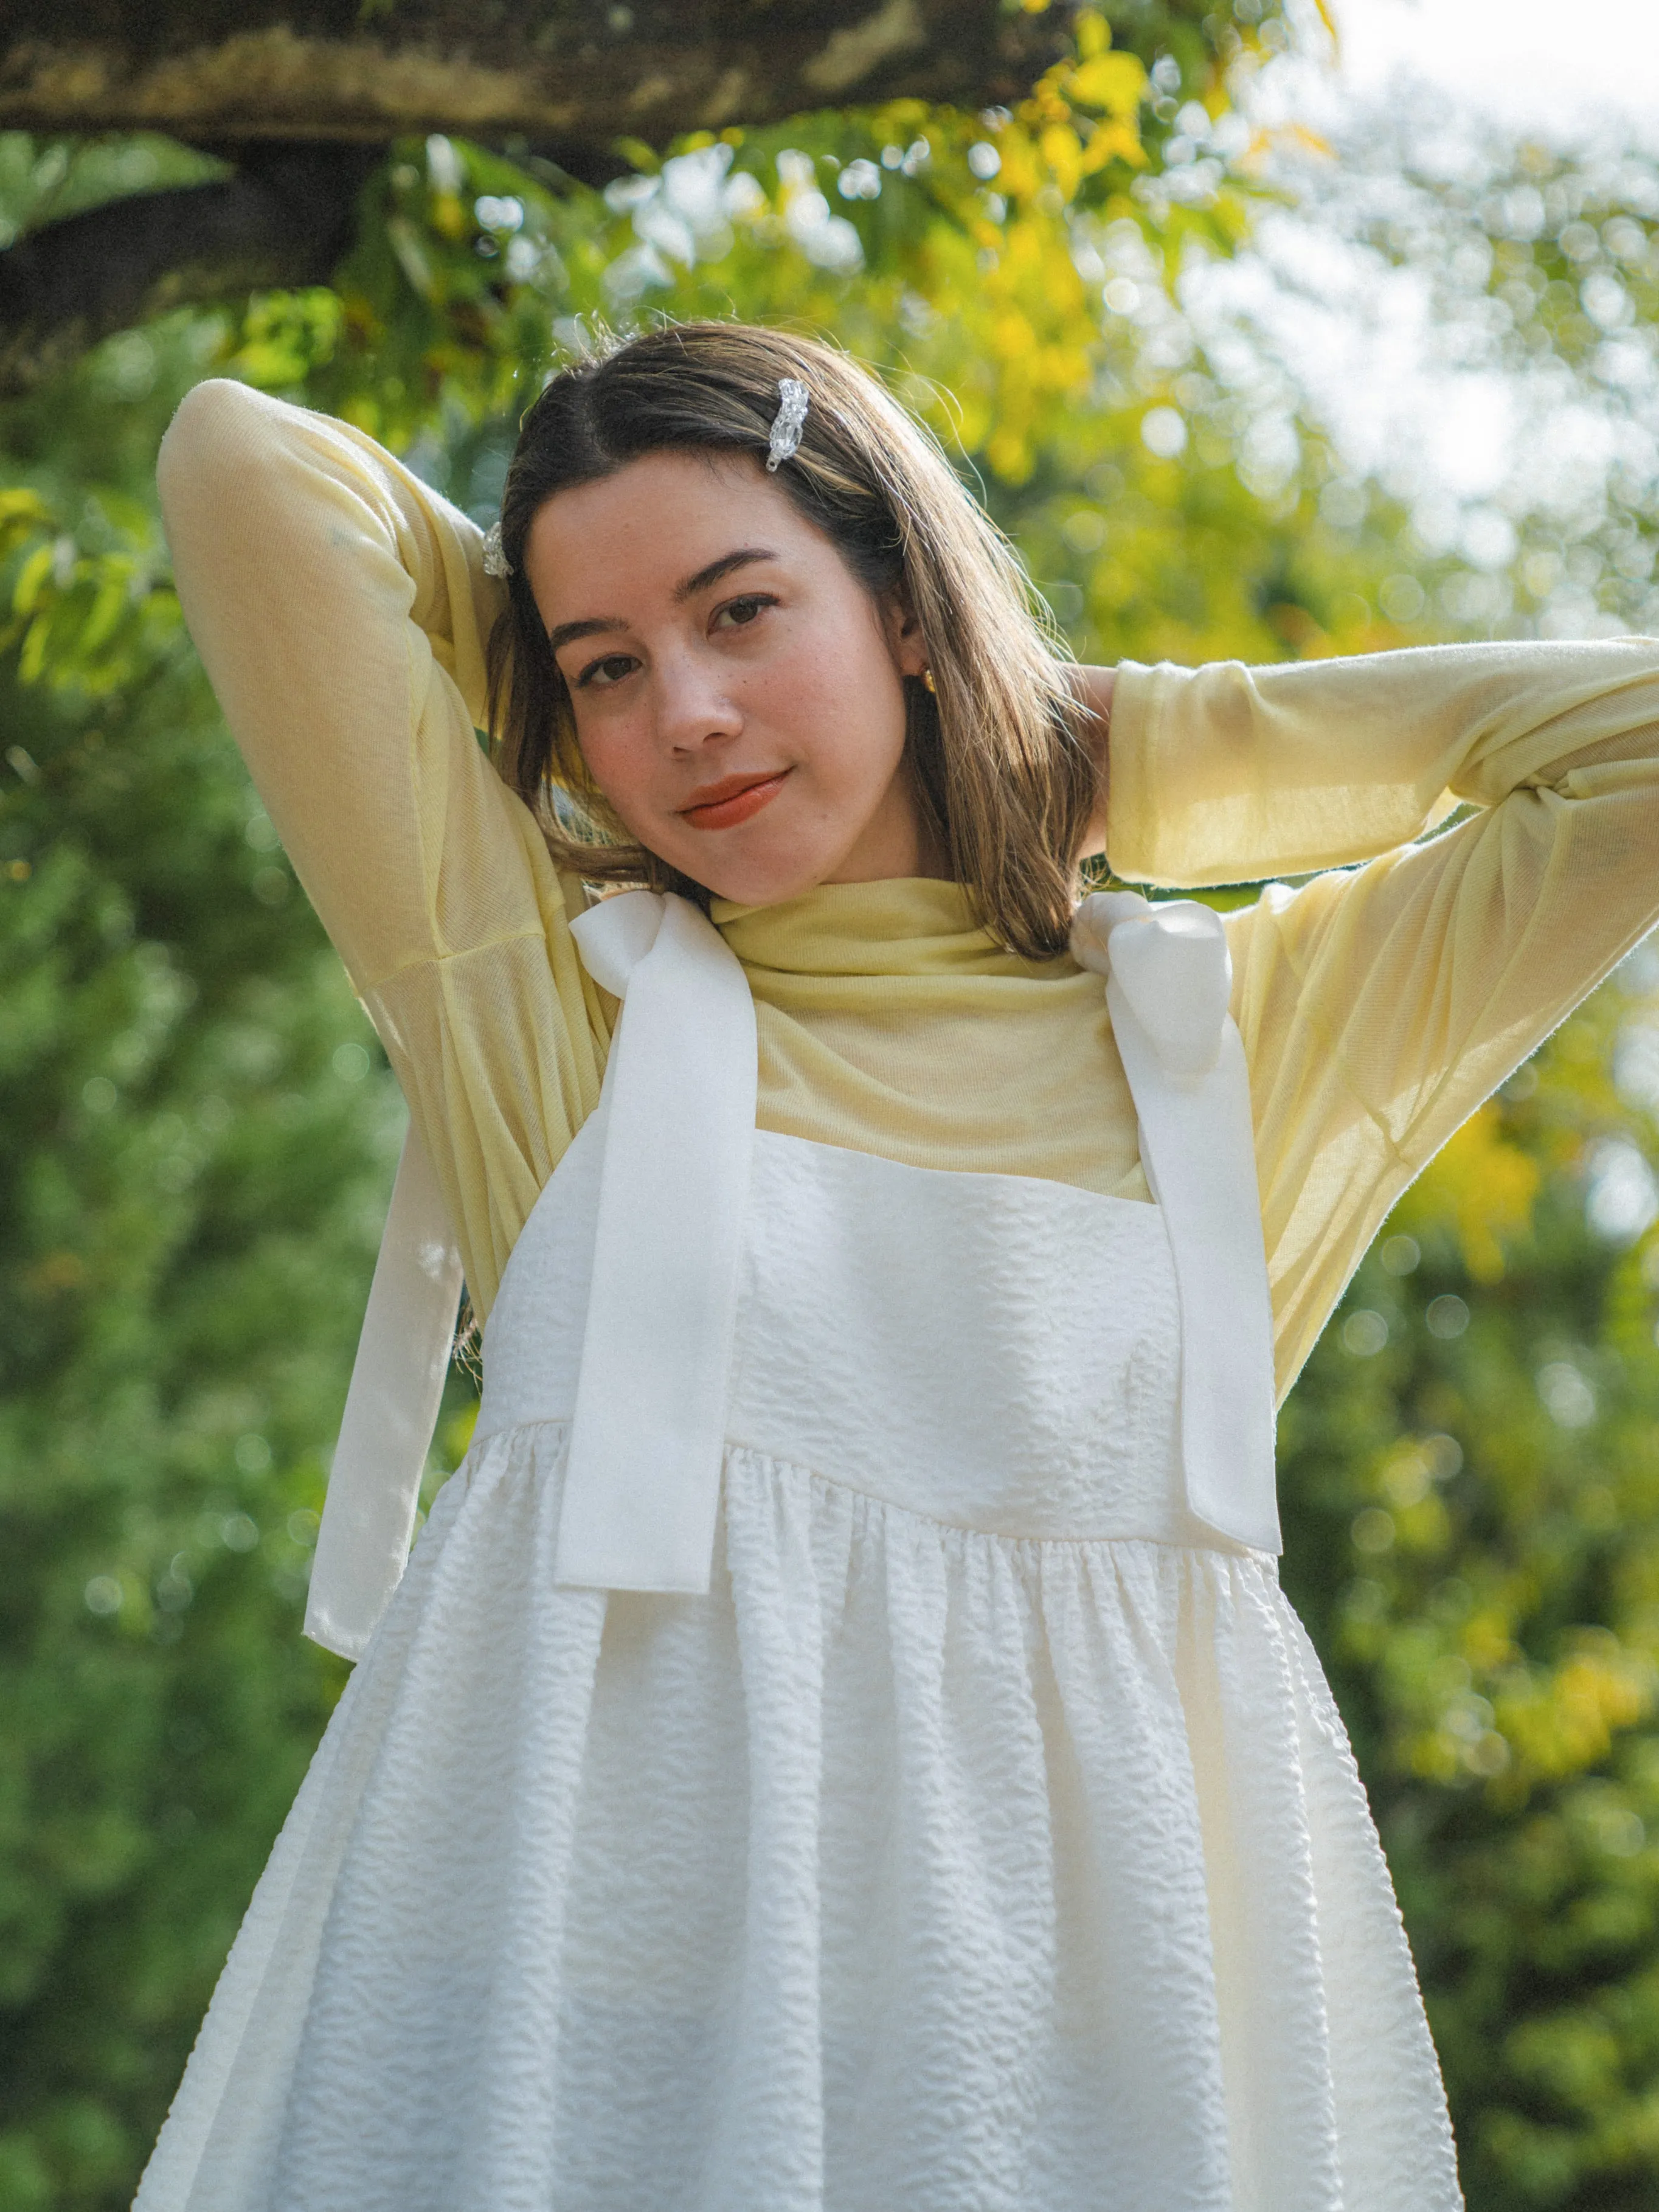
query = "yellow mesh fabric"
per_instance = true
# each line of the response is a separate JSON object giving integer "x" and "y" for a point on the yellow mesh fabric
{"x": 1381, "y": 1003}
{"x": 889, "y": 1023}
{"x": 340, "y": 607}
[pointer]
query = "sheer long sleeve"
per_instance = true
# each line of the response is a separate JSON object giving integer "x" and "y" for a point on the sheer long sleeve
{"x": 1380, "y": 1004}
{"x": 339, "y": 607}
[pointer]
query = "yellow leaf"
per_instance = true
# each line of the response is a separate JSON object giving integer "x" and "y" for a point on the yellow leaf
{"x": 1008, "y": 455}
{"x": 1063, "y": 152}
{"x": 1487, "y": 1641}
{"x": 1113, "y": 142}
{"x": 1483, "y": 1187}
{"x": 1113, "y": 83}
{"x": 449, "y": 217}
{"x": 1308, "y": 142}
{"x": 1567, "y": 1721}
{"x": 106, "y": 610}
{"x": 31, "y": 580}
{"x": 33, "y": 656}
{"x": 1093, "y": 33}
{"x": 22, "y": 509}
{"x": 1013, "y": 337}
{"x": 1019, "y": 178}
{"x": 457, "y": 1433}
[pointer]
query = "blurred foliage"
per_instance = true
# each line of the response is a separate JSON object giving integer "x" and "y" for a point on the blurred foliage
{"x": 201, "y": 1128}
{"x": 1471, "y": 1470}
{"x": 1518, "y": 282}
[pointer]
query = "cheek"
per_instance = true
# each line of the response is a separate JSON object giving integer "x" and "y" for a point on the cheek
{"x": 614, "y": 760}
{"x": 845, "y": 704}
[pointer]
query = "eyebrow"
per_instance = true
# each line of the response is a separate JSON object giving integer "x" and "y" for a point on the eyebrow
{"x": 598, "y": 625}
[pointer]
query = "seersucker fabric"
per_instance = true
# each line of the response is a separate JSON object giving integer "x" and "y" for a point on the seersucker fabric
{"x": 676, "y": 1127}
{"x": 984, "y": 1838}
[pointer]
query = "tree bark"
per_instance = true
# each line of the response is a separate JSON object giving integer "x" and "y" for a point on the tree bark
{"x": 302, "y": 95}
{"x": 560, "y": 75}
{"x": 286, "y": 218}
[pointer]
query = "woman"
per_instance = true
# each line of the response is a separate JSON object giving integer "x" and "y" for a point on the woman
{"x": 840, "y": 1740}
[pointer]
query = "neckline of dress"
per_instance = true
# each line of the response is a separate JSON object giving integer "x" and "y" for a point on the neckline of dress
{"x": 919, "y": 926}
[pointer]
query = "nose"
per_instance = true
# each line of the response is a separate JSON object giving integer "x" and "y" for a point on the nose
{"x": 693, "y": 705}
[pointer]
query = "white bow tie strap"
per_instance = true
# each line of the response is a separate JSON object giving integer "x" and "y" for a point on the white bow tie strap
{"x": 648, "y": 1432}
{"x": 648, "y": 1437}
{"x": 390, "y": 1410}
{"x": 1169, "y": 978}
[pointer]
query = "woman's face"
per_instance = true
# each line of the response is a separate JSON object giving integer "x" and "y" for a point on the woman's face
{"x": 737, "y": 693}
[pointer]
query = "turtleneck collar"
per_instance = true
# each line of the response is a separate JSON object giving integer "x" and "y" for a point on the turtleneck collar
{"x": 901, "y": 925}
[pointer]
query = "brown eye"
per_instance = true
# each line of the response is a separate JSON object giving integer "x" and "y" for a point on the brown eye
{"x": 604, "y": 672}
{"x": 741, "y": 612}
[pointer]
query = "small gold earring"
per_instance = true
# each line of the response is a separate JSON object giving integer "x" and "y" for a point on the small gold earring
{"x": 927, "y": 678}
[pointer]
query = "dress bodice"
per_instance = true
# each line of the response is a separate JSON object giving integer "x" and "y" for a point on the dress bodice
{"x": 1030, "y": 1358}
{"x": 993, "y": 1350}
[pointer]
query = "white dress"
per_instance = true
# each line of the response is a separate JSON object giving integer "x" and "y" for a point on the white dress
{"x": 984, "y": 1839}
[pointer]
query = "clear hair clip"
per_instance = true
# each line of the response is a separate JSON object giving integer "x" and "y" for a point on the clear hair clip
{"x": 788, "y": 422}
{"x": 496, "y": 562}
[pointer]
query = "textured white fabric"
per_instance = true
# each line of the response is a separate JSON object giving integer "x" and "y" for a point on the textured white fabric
{"x": 678, "y": 1121}
{"x": 649, "y": 1414}
{"x": 970, "y": 1846}
{"x": 390, "y": 1409}
{"x": 1168, "y": 979}
{"x": 969, "y": 1352}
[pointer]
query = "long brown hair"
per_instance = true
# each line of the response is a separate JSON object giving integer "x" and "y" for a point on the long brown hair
{"x": 994, "y": 749}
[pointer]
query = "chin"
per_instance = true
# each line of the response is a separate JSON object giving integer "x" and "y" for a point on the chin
{"x": 736, "y": 863}
{"x": 759, "y": 887}
{"x": 757, "y": 879}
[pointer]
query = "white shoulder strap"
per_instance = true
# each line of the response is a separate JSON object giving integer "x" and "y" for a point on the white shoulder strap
{"x": 642, "y": 1478}
{"x": 390, "y": 1410}
{"x": 1169, "y": 979}
{"x": 647, "y": 1435}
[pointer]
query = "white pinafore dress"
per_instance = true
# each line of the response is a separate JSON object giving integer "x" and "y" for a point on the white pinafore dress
{"x": 840, "y": 1745}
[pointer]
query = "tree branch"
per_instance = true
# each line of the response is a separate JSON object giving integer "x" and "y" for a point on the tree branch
{"x": 304, "y": 94}
{"x": 560, "y": 72}
{"x": 286, "y": 218}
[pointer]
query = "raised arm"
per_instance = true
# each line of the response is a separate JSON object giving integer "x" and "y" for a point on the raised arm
{"x": 338, "y": 606}
{"x": 1381, "y": 1003}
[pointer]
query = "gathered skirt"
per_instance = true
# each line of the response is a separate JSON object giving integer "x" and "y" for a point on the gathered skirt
{"x": 915, "y": 1867}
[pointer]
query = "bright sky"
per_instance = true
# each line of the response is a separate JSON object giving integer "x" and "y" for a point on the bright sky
{"x": 1530, "y": 61}
{"x": 1385, "y": 367}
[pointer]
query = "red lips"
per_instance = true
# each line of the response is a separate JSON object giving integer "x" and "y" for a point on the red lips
{"x": 734, "y": 799}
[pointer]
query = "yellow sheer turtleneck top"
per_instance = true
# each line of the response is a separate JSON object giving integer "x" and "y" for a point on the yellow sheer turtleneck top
{"x": 340, "y": 607}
